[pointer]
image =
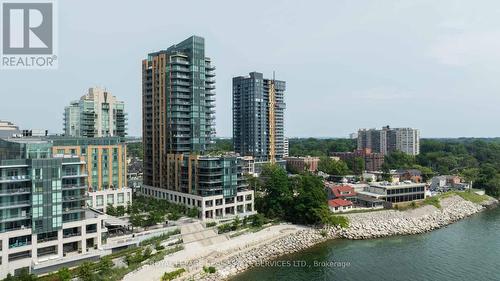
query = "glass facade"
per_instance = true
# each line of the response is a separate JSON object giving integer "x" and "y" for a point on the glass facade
{"x": 178, "y": 105}
{"x": 38, "y": 190}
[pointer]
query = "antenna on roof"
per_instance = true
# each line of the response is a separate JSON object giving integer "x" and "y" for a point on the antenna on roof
{"x": 274, "y": 75}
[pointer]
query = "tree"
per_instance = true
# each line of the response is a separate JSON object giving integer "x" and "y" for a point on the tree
{"x": 386, "y": 174}
{"x": 257, "y": 220}
{"x": 356, "y": 165}
{"x": 426, "y": 172}
{"x": 253, "y": 182}
{"x": 192, "y": 212}
{"x": 105, "y": 265}
{"x": 136, "y": 220}
{"x": 154, "y": 217}
{"x": 86, "y": 272}
{"x": 25, "y": 275}
{"x": 110, "y": 210}
{"x": 236, "y": 223}
{"x": 120, "y": 211}
{"x": 470, "y": 174}
{"x": 310, "y": 203}
{"x": 277, "y": 192}
{"x": 399, "y": 160}
{"x": 64, "y": 274}
{"x": 333, "y": 167}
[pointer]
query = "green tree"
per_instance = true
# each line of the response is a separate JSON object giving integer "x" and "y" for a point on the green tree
{"x": 277, "y": 192}
{"x": 136, "y": 220}
{"x": 399, "y": 160}
{"x": 64, "y": 274}
{"x": 120, "y": 211}
{"x": 111, "y": 210}
{"x": 386, "y": 174}
{"x": 310, "y": 204}
{"x": 86, "y": 272}
{"x": 104, "y": 265}
{"x": 356, "y": 165}
{"x": 333, "y": 167}
{"x": 25, "y": 275}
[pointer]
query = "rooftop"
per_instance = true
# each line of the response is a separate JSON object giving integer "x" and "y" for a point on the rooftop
{"x": 390, "y": 185}
{"x": 339, "y": 203}
{"x": 343, "y": 190}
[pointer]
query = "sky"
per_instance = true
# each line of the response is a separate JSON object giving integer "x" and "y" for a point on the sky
{"x": 432, "y": 65}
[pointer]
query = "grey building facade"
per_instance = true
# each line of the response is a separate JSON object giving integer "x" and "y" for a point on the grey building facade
{"x": 258, "y": 117}
{"x": 388, "y": 140}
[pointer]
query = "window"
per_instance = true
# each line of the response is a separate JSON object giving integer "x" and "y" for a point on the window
{"x": 111, "y": 199}
{"x": 120, "y": 198}
{"x": 99, "y": 200}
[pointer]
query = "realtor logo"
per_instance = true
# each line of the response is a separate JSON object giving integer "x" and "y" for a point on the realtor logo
{"x": 28, "y": 35}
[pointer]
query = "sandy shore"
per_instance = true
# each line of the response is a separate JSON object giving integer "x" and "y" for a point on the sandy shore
{"x": 233, "y": 256}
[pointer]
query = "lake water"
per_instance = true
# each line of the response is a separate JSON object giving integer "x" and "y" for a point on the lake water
{"x": 466, "y": 250}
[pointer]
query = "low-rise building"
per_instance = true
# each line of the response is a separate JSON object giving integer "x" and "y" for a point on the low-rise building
{"x": 373, "y": 161}
{"x": 339, "y": 205}
{"x": 395, "y": 192}
{"x": 8, "y": 129}
{"x": 306, "y": 163}
{"x": 342, "y": 192}
{"x": 412, "y": 175}
{"x": 448, "y": 182}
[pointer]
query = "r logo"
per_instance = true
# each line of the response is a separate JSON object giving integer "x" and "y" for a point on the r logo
{"x": 27, "y": 28}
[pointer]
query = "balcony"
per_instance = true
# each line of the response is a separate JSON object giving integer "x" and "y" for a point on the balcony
{"x": 15, "y": 217}
{"x": 72, "y": 176}
{"x": 67, "y": 186}
{"x": 19, "y": 191}
{"x": 15, "y": 179}
{"x": 17, "y": 204}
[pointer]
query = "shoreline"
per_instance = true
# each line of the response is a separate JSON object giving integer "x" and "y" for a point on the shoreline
{"x": 361, "y": 226}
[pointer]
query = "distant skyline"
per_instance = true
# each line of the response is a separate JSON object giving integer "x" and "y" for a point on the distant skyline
{"x": 348, "y": 65}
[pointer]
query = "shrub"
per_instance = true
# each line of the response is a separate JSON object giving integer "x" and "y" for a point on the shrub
{"x": 257, "y": 220}
{"x": 172, "y": 275}
{"x": 210, "y": 224}
{"x": 158, "y": 246}
{"x": 340, "y": 221}
{"x": 209, "y": 269}
{"x": 323, "y": 233}
{"x": 223, "y": 228}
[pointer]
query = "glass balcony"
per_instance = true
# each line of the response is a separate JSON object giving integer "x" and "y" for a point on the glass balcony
{"x": 15, "y": 179}
{"x": 15, "y": 204}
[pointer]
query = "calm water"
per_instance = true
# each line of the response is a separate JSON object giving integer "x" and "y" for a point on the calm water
{"x": 467, "y": 250}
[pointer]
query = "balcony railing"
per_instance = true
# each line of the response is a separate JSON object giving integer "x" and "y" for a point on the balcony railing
{"x": 14, "y": 191}
{"x": 16, "y": 203}
{"x": 15, "y": 178}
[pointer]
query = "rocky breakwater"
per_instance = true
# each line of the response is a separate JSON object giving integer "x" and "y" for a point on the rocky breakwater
{"x": 263, "y": 254}
{"x": 390, "y": 222}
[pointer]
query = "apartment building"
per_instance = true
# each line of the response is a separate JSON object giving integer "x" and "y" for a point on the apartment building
{"x": 96, "y": 114}
{"x": 106, "y": 168}
{"x": 258, "y": 118}
{"x": 388, "y": 140}
{"x": 306, "y": 163}
{"x": 178, "y": 101}
{"x": 43, "y": 217}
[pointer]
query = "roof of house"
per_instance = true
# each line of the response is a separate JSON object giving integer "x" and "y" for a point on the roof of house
{"x": 339, "y": 189}
{"x": 339, "y": 203}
